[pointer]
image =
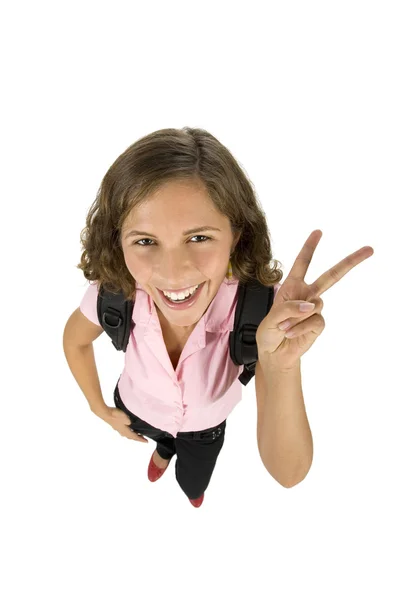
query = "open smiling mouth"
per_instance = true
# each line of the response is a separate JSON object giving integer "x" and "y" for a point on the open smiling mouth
{"x": 182, "y": 304}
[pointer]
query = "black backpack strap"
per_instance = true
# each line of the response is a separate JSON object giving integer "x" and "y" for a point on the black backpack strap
{"x": 254, "y": 303}
{"x": 115, "y": 316}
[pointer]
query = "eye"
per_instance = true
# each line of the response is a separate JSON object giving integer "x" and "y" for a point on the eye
{"x": 195, "y": 236}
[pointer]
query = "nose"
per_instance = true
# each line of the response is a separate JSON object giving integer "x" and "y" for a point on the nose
{"x": 177, "y": 275}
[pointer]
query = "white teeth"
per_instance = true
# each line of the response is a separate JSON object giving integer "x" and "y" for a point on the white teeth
{"x": 181, "y": 295}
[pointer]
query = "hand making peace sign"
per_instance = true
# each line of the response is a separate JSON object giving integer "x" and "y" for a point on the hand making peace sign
{"x": 271, "y": 336}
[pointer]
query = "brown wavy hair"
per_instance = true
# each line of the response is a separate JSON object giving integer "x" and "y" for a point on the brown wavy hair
{"x": 165, "y": 155}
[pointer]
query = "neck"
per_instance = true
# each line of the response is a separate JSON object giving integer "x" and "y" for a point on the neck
{"x": 176, "y": 330}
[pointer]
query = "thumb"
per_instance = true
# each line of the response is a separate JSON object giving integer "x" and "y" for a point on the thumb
{"x": 290, "y": 309}
{"x": 269, "y": 335}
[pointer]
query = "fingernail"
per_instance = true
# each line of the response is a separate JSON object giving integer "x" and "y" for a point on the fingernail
{"x": 284, "y": 325}
{"x": 304, "y": 306}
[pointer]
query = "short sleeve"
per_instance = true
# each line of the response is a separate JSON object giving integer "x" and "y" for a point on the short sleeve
{"x": 88, "y": 305}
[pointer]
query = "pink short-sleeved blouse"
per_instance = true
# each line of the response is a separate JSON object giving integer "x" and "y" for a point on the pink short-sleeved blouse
{"x": 204, "y": 388}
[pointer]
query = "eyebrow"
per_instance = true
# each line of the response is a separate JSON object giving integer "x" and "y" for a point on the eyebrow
{"x": 194, "y": 230}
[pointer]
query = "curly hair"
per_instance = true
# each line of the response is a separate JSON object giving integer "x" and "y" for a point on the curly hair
{"x": 165, "y": 155}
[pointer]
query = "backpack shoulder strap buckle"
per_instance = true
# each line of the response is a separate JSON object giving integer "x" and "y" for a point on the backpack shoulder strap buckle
{"x": 115, "y": 315}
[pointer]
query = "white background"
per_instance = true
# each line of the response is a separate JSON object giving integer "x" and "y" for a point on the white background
{"x": 306, "y": 97}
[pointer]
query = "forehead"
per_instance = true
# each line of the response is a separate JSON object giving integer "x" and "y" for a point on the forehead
{"x": 176, "y": 205}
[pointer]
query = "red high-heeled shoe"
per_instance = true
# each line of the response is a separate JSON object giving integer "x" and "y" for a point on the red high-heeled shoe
{"x": 198, "y": 501}
{"x": 154, "y": 472}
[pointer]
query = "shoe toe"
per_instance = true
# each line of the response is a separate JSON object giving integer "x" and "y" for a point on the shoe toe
{"x": 198, "y": 501}
{"x": 154, "y": 472}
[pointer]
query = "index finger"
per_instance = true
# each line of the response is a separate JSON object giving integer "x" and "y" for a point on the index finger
{"x": 334, "y": 274}
{"x": 302, "y": 262}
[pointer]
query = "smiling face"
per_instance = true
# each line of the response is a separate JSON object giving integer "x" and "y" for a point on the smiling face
{"x": 165, "y": 258}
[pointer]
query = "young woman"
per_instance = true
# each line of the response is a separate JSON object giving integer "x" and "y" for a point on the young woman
{"x": 176, "y": 226}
